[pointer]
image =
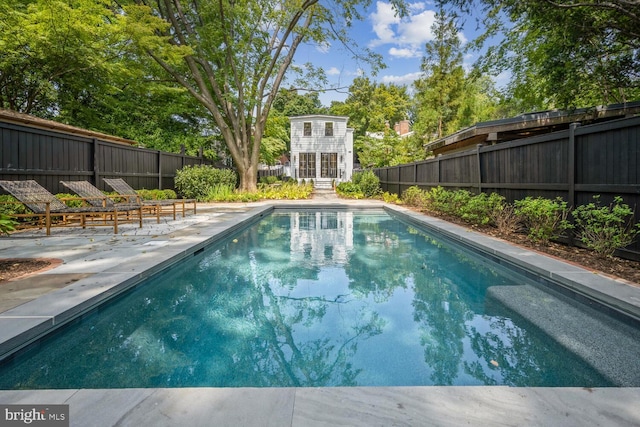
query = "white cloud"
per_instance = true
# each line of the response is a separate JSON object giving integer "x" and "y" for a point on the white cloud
{"x": 416, "y": 29}
{"x": 384, "y": 19}
{"x": 333, "y": 71}
{"x": 404, "y": 53}
{"x": 411, "y": 32}
{"x": 406, "y": 79}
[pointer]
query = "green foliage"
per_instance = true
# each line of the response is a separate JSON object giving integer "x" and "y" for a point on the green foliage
{"x": 545, "y": 219}
{"x": 71, "y": 200}
{"x": 7, "y": 224}
{"x": 9, "y": 205}
{"x": 195, "y": 182}
{"x": 286, "y": 191}
{"x": 350, "y": 190}
{"x": 480, "y": 209}
{"x": 368, "y": 183}
{"x": 269, "y": 180}
{"x": 415, "y": 196}
{"x": 605, "y": 228}
{"x": 391, "y": 198}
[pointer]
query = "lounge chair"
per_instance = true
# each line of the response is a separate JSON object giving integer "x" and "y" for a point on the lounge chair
{"x": 45, "y": 205}
{"x": 97, "y": 198}
{"x": 125, "y": 190}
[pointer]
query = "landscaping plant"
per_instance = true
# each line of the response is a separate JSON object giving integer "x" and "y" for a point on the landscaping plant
{"x": 605, "y": 228}
{"x": 6, "y": 224}
{"x": 195, "y": 182}
{"x": 544, "y": 219}
{"x": 414, "y": 196}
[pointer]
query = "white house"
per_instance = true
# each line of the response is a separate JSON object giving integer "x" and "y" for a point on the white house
{"x": 321, "y": 149}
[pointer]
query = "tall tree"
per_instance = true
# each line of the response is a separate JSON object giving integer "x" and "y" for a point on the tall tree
{"x": 59, "y": 60}
{"x": 233, "y": 56}
{"x": 439, "y": 93}
{"x": 563, "y": 53}
{"x": 371, "y": 107}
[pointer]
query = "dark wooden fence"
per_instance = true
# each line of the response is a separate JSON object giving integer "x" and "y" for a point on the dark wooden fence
{"x": 49, "y": 156}
{"x": 576, "y": 164}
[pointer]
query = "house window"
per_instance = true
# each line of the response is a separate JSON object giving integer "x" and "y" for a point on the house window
{"x": 307, "y": 129}
{"x": 329, "y": 165}
{"x": 307, "y": 165}
{"x": 328, "y": 129}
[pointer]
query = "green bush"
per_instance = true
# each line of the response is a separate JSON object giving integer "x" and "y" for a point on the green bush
{"x": 287, "y": 191}
{"x": 605, "y": 228}
{"x": 479, "y": 209}
{"x": 350, "y": 190}
{"x": 6, "y": 224}
{"x": 368, "y": 182}
{"x": 9, "y": 205}
{"x": 156, "y": 194}
{"x": 414, "y": 196}
{"x": 75, "y": 203}
{"x": 195, "y": 182}
{"x": 545, "y": 219}
{"x": 391, "y": 198}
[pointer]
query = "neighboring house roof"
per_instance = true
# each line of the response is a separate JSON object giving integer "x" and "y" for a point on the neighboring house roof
{"x": 529, "y": 124}
{"x": 318, "y": 116}
{"x": 9, "y": 116}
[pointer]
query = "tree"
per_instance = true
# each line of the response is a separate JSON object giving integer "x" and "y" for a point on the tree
{"x": 563, "y": 53}
{"x": 58, "y": 60}
{"x": 233, "y": 56}
{"x": 371, "y": 107}
{"x": 439, "y": 93}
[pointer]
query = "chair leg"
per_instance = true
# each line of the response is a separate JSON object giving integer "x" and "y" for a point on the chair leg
{"x": 47, "y": 219}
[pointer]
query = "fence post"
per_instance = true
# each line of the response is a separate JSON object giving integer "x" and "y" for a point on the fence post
{"x": 159, "y": 170}
{"x": 96, "y": 164}
{"x": 479, "y": 163}
{"x": 571, "y": 154}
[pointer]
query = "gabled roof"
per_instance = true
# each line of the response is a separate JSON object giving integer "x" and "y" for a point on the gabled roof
{"x": 530, "y": 124}
{"x": 9, "y": 116}
{"x": 318, "y": 116}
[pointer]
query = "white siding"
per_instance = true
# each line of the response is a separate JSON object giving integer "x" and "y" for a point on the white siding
{"x": 340, "y": 143}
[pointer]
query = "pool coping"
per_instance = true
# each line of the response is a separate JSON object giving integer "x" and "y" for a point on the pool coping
{"x": 24, "y": 324}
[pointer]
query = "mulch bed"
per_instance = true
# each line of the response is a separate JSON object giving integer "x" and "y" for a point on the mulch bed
{"x": 12, "y": 268}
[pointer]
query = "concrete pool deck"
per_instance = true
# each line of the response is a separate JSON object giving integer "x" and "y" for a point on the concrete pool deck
{"x": 97, "y": 264}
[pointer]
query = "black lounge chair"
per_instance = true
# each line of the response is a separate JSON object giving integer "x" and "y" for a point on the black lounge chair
{"x": 122, "y": 188}
{"x": 45, "y": 205}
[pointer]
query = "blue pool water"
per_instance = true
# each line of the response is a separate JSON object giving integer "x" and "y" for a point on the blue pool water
{"x": 326, "y": 299}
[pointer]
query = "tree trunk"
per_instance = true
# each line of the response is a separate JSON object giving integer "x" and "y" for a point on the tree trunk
{"x": 248, "y": 178}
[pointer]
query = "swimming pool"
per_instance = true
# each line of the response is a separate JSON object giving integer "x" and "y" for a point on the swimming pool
{"x": 334, "y": 299}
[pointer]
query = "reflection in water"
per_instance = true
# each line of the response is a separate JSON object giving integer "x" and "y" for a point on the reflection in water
{"x": 310, "y": 299}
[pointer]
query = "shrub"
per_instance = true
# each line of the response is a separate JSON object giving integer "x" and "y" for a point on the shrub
{"x": 76, "y": 202}
{"x": 414, "y": 196}
{"x": 195, "y": 182}
{"x": 368, "y": 182}
{"x": 350, "y": 190}
{"x": 6, "y": 224}
{"x": 169, "y": 194}
{"x": 479, "y": 209}
{"x": 156, "y": 194}
{"x": 9, "y": 205}
{"x": 390, "y": 198}
{"x": 545, "y": 219}
{"x": 438, "y": 199}
{"x": 505, "y": 219}
{"x": 605, "y": 228}
{"x": 287, "y": 191}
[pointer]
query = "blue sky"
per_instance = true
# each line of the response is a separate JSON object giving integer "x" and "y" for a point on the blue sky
{"x": 401, "y": 43}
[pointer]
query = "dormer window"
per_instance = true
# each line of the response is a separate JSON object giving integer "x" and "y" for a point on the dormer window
{"x": 328, "y": 129}
{"x": 307, "y": 129}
